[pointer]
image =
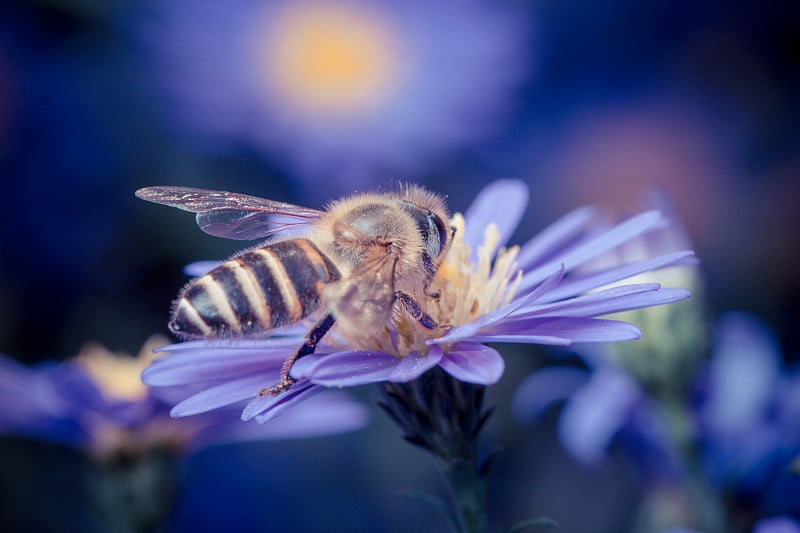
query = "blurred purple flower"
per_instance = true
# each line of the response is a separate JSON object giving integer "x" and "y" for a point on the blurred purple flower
{"x": 539, "y": 293}
{"x": 345, "y": 90}
{"x": 97, "y": 402}
{"x": 747, "y": 416}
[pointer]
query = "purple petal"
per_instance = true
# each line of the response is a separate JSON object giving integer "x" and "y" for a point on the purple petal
{"x": 547, "y": 340}
{"x": 594, "y": 246}
{"x": 228, "y": 393}
{"x": 233, "y": 346}
{"x": 470, "y": 329}
{"x": 614, "y": 300}
{"x": 545, "y": 387}
{"x": 413, "y": 366}
{"x": 473, "y": 363}
{"x": 595, "y": 413}
{"x": 325, "y": 414}
{"x": 744, "y": 371}
{"x": 329, "y": 412}
{"x": 347, "y": 369}
{"x": 565, "y": 329}
{"x": 196, "y": 269}
{"x": 265, "y": 408}
{"x": 204, "y": 361}
{"x": 503, "y": 203}
{"x": 582, "y": 283}
{"x": 555, "y": 236}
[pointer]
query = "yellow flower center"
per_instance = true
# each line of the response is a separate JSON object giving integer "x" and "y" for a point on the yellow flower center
{"x": 330, "y": 58}
{"x": 466, "y": 291}
{"x": 118, "y": 375}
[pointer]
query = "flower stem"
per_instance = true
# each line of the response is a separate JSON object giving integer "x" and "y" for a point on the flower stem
{"x": 468, "y": 489}
{"x": 444, "y": 416}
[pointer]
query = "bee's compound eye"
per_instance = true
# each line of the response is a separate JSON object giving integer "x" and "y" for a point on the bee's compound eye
{"x": 444, "y": 233}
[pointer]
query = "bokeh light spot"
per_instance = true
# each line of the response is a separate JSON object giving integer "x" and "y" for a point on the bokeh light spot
{"x": 336, "y": 59}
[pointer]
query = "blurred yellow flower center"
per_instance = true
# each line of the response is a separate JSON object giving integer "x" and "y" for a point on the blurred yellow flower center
{"x": 331, "y": 58}
{"x": 118, "y": 376}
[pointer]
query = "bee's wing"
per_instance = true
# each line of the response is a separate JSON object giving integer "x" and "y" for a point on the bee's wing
{"x": 232, "y": 215}
{"x": 367, "y": 295}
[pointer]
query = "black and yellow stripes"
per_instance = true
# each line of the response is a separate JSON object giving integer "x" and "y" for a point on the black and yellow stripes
{"x": 261, "y": 289}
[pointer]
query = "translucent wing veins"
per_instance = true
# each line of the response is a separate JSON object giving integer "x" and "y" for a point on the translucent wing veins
{"x": 232, "y": 215}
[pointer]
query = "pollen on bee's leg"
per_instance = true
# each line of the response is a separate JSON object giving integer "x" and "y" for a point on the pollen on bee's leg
{"x": 283, "y": 385}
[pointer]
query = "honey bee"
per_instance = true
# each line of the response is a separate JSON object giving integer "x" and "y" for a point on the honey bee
{"x": 359, "y": 261}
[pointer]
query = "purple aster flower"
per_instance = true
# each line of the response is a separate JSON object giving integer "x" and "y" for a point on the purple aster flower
{"x": 538, "y": 293}
{"x": 545, "y": 292}
{"x": 98, "y": 403}
{"x": 353, "y": 87}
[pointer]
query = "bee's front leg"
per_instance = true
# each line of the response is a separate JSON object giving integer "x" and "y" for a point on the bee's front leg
{"x": 413, "y": 309}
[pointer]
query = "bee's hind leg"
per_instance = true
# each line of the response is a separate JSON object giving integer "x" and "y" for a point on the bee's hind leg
{"x": 413, "y": 309}
{"x": 313, "y": 337}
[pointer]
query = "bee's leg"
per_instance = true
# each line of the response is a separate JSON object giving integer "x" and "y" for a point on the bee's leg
{"x": 433, "y": 295}
{"x": 313, "y": 337}
{"x": 413, "y": 309}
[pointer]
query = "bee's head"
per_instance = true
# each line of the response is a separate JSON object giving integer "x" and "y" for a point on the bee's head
{"x": 430, "y": 214}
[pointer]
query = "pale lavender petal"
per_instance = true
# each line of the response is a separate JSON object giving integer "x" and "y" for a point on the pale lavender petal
{"x": 228, "y": 393}
{"x": 204, "y": 363}
{"x": 579, "y": 284}
{"x": 347, "y": 369}
{"x": 595, "y": 413}
{"x": 594, "y": 246}
{"x": 470, "y": 329}
{"x": 615, "y": 300}
{"x": 265, "y": 408}
{"x": 325, "y": 414}
{"x": 744, "y": 372}
{"x": 547, "y": 340}
{"x": 503, "y": 203}
{"x": 232, "y": 346}
{"x": 473, "y": 363}
{"x": 555, "y": 236}
{"x": 196, "y": 269}
{"x": 777, "y": 524}
{"x": 588, "y": 299}
{"x": 544, "y": 388}
{"x": 570, "y": 329}
{"x": 414, "y": 365}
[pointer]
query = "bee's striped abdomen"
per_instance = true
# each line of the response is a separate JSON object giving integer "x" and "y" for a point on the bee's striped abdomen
{"x": 261, "y": 289}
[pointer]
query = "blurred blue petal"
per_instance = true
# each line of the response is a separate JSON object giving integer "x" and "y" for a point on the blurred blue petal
{"x": 744, "y": 370}
{"x": 778, "y": 524}
{"x": 596, "y": 412}
{"x": 544, "y": 388}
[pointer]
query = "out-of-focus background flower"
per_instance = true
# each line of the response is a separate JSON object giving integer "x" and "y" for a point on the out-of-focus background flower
{"x": 595, "y": 104}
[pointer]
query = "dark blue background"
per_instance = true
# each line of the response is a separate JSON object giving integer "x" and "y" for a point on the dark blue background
{"x": 715, "y": 85}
